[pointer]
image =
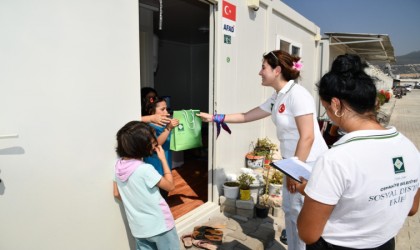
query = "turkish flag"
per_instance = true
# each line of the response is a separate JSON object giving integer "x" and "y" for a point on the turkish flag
{"x": 229, "y": 11}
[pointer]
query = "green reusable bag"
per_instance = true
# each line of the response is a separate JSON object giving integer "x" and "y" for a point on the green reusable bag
{"x": 187, "y": 134}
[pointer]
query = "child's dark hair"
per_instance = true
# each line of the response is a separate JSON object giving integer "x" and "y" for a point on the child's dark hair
{"x": 147, "y": 90}
{"x": 348, "y": 82}
{"x": 144, "y": 92}
{"x": 152, "y": 103}
{"x": 135, "y": 140}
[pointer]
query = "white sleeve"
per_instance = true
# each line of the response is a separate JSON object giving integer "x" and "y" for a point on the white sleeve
{"x": 302, "y": 103}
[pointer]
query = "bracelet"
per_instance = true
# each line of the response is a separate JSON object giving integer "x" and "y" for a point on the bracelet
{"x": 219, "y": 119}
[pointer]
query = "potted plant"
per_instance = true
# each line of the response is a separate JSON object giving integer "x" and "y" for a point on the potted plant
{"x": 275, "y": 183}
{"x": 266, "y": 148}
{"x": 263, "y": 207}
{"x": 262, "y": 153}
{"x": 245, "y": 181}
{"x": 231, "y": 189}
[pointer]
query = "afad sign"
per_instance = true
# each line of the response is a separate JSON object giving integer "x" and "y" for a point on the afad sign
{"x": 229, "y": 18}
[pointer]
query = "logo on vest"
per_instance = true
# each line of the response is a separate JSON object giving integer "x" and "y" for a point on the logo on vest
{"x": 398, "y": 163}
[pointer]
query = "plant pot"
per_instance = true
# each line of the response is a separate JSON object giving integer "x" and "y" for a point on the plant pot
{"x": 261, "y": 211}
{"x": 275, "y": 189}
{"x": 231, "y": 192}
{"x": 245, "y": 194}
{"x": 254, "y": 161}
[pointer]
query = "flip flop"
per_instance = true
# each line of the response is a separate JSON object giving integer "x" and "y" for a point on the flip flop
{"x": 197, "y": 235}
{"x": 202, "y": 235}
{"x": 204, "y": 244}
{"x": 214, "y": 239}
{"x": 187, "y": 240}
{"x": 209, "y": 230}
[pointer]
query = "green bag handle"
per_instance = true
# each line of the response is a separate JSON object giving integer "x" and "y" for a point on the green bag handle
{"x": 192, "y": 119}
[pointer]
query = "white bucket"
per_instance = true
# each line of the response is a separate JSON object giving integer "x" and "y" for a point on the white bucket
{"x": 231, "y": 192}
{"x": 275, "y": 189}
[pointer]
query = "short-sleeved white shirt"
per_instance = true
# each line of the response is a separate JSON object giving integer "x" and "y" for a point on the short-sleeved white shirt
{"x": 147, "y": 212}
{"x": 371, "y": 176}
{"x": 291, "y": 101}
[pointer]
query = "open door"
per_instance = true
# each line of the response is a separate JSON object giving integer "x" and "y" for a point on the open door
{"x": 180, "y": 39}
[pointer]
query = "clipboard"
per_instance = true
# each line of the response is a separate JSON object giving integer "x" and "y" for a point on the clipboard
{"x": 294, "y": 168}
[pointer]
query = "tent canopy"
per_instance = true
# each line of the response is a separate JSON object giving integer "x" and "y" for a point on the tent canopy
{"x": 372, "y": 47}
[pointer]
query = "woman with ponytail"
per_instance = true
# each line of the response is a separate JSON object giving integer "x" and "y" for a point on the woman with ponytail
{"x": 292, "y": 109}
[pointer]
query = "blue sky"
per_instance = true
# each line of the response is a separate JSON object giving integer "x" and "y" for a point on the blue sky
{"x": 400, "y": 19}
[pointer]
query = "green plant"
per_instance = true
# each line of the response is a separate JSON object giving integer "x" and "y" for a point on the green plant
{"x": 265, "y": 147}
{"x": 276, "y": 177}
{"x": 264, "y": 198}
{"x": 231, "y": 184}
{"x": 245, "y": 181}
{"x": 267, "y": 181}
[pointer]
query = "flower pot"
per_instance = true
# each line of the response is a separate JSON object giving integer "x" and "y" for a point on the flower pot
{"x": 254, "y": 161}
{"x": 245, "y": 194}
{"x": 231, "y": 192}
{"x": 261, "y": 211}
{"x": 275, "y": 189}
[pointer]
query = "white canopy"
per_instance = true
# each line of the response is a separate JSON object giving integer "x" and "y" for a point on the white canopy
{"x": 372, "y": 47}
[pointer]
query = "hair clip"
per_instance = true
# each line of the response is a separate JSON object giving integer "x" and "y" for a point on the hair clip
{"x": 151, "y": 100}
{"x": 298, "y": 65}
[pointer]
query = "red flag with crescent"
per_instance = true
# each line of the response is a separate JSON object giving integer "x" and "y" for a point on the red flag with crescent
{"x": 229, "y": 11}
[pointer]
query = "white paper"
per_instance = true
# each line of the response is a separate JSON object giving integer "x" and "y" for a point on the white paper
{"x": 294, "y": 168}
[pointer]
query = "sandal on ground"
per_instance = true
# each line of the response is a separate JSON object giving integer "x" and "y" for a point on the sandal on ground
{"x": 283, "y": 237}
{"x": 187, "y": 240}
{"x": 209, "y": 230}
{"x": 204, "y": 244}
{"x": 202, "y": 235}
{"x": 215, "y": 239}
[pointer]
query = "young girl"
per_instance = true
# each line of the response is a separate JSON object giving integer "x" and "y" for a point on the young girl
{"x": 137, "y": 185}
{"x": 146, "y": 94}
{"x": 157, "y": 105}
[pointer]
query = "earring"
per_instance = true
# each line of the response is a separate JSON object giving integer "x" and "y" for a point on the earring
{"x": 336, "y": 114}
